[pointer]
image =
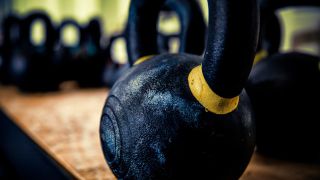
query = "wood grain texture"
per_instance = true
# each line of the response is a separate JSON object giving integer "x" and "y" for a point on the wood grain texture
{"x": 66, "y": 125}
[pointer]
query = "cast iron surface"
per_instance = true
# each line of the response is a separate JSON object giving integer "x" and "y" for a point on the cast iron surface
{"x": 152, "y": 127}
{"x": 283, "y": 89}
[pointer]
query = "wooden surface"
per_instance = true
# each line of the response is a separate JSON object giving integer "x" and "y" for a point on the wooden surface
{"x": 66, "y": 125}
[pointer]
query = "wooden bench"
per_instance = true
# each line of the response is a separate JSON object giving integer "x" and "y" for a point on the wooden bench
{"x": 65, "y": 125}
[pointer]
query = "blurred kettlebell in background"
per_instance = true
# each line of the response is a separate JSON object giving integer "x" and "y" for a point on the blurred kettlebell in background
{"x": 165, "y": 41}
{"x": 113, "y": 69}
{"x": 1, "y": 62}
{"x": 11, "y": 27}
{"x": 182, "y": 116}
{"x": 32, "y": 67}
{"x": 91, "y": 63}
{"x": 67, "y": 53}
{"x": 191, "y": 22}
{"x": 284, "y": 89}
{"x": 270, "y": 32}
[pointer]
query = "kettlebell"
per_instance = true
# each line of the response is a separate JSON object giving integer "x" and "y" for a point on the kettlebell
{"x": 191, "y": 22}
{"x": 283, "y": 88}
{"x": 91, "y": 63}
{"x": 67, "y": 54}
{"x": 36, "y": 70}
{"x": 11, "y": 26}
{"x": 183, "y": 116}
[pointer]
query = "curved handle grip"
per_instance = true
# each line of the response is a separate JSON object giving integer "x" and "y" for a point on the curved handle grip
{"x": 50, "y": 35}
{"x": 231, "y": 45}
{"x": 93, "y": 31}
{"x": 142, "y": 27}
{"x": 270, "y": 33}
{"x": 70, "y": 22}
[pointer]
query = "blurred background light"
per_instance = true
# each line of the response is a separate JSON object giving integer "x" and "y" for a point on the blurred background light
{"x": 113, "y": 15}
{"x": 38, "y": 33}
{"x": 70, "y": 36}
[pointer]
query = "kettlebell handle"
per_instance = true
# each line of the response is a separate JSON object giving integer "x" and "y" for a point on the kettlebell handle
{"x": 49, "y": 30}
{"x": 142, "y": 31}
{"x": 231, "y": 42}
{"x": 70, "y": 22}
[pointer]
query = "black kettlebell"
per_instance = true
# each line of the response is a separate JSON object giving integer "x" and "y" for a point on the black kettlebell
{"x": 182, "y": 116}
{"x": 91, "y": 64}
{"x": 68, "y": 55}
{"x": 11, "y": 44}
{"x": 37, "y": 72}
{"x": 191, "y": 22}
{"x": 284, "y": 88}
